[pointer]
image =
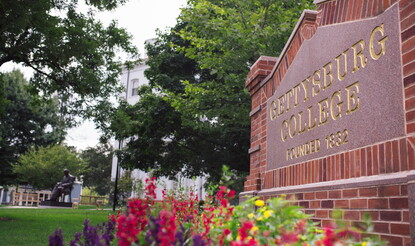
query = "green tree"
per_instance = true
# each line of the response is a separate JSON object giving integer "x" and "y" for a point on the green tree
{"x": 126, "y": 185}
{"x": 226, "y": 38}
{"x": 43, "y": 167}
{"x": 26, "y": 120}
{"x": 195, "y": 115}
{"x": 73, "y": 55}
{"x": 97, "y": 175}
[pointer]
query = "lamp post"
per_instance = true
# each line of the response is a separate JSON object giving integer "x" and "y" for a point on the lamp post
{"x": 115, "y": 201}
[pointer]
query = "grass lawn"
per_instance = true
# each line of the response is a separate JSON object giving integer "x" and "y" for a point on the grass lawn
{"x": 32, "y": 226}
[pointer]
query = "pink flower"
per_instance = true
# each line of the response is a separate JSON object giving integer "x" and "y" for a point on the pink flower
{"x": 231, "y": 194}
{"x": 127, "y": 230}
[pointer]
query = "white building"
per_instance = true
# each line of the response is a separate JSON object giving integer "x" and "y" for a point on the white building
{"x": 131, "y": 80}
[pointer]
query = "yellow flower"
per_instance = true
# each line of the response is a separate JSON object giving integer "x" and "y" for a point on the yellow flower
{"x": 259, "y": 203}
{"x": 364, "y": 244}
{"x": 254, "y": 229}
{"x": 260, "y": 218}
{"x": 268, "y": 213}
{"x": 251, "y": 215}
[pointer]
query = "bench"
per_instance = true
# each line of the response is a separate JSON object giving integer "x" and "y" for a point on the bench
{"x": 97, "y": 201}
{"x": 25, "y": 199}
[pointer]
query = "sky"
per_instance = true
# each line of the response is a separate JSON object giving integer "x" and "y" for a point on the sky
{"x": 141, "y": 18}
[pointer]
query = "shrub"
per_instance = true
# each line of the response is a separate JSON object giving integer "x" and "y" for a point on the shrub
{"x": 179, "y": 220}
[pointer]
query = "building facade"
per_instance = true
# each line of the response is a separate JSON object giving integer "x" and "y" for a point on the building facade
{"x": 132, "y": 79}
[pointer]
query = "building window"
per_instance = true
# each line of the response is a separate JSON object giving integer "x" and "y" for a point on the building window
{"x": 134, "y": 90}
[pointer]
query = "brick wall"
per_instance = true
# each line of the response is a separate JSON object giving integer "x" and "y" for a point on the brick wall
{"x": 388, "y": 204}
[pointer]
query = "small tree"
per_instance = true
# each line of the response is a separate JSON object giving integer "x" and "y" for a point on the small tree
{"x": 97, "y": 175}
{"x": 126, "y": 185}
{"x": 43, "y": 167}
{"x": 25, "y": 120}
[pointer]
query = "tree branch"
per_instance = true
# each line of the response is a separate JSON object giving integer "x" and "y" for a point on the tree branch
{"x": 5, "y": 59}
{"x": 266, "y": 8}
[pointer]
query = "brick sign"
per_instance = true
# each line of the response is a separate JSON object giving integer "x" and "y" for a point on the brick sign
{"x": 342, "y": 91}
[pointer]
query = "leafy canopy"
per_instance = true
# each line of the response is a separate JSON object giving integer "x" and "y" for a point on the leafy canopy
{"x": 43, "y": 167}
{"x": 194, "y": 117}
{"x": 97, "y": 174}
{"x": 72, "y": 54}
{"x": 25, "y": 121}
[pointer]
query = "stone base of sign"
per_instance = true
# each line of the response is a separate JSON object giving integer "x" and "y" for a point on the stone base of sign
{"x": 386, "y": 198}
{"x": 49, "y": 203}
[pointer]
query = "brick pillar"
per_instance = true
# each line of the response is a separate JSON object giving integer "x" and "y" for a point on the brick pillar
{"x": 259, "y": 71}
{"x": 411, "y": 203}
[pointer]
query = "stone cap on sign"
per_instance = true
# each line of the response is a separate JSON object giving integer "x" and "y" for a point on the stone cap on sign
{"x": 261, "y": 68}
{"x": 320, "y": 1}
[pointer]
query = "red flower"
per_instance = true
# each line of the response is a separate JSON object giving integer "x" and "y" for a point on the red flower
{"x": 301, "y": 226}
{"x": 329, "y": 237}
{"x": 244, "y": 230}
{"x": 168, "y": 228}
{"x": 289, "y": 237}
{"x": 127, "y": 230}
{"x": 349, "y": 233}
{"x": 231, "y": 194}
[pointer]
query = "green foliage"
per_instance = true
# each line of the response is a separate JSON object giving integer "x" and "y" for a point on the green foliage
{"x": 230, "y": 178}
{"x": 31, "y": 227}
{"x": 43, "y": 167}
{"x": 73, "y": 55}
{"x": 25, "y": 120}
{"x": 277, "y": 222}
{"x": 195, "y": 115}
{"x": 97, "y": 175}
{"x": 125, "y": 186}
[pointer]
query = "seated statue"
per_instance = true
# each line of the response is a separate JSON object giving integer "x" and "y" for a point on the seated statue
{"x": 63, "y": 187}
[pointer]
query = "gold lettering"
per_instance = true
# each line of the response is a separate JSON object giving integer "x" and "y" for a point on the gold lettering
{"x": 323, "y": 111}
{"x": 311, "y": 147}
{"x": 284, "y": 137}
{"x": 382, "y": 42}
{"x": 301, "y": 150}
{"x": 273, "y": 110}
{"x": 353, "y": 102}
{"x": 328, "y": 73}
{"x": 300, "y": 117}
{"x": 342, "y": 76}
{"x": 311, "y": 125}
{"x": 338, "y": 106}
{"x": 292, "y": 132}
{"x": 307, "y": 149}
{"x": 305, "y": 83}
{"x": 288, "y": 95}
{"x": 360, "y": 55}
{"x": 296, "y": 90}
{"x": 280, "y": 105}
{"x": 316, "y": 83}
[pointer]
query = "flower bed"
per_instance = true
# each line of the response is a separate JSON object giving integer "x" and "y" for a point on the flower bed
{"x": 182, "y": 220}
